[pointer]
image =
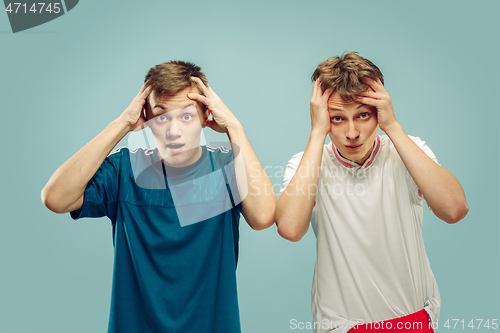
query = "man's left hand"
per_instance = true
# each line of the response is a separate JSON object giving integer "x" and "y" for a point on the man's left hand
{"x": 223, "y": 118}
{"x": 379, "y": 98}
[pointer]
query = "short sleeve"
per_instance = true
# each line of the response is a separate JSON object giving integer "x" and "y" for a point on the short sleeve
{"x": 233, "y": 184}
{"x": 415, "y": 192}
{"x": 290, "y": 170}
{"x": 101, "y": 193}
{"x": 224, "y": 160}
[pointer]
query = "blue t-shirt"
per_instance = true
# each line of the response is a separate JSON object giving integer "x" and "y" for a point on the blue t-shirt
{"x": 169, "y": 275}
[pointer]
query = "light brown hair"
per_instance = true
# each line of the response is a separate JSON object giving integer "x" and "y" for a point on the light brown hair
{"x": 170, "y": 78}
{"x": 344, "y": 73}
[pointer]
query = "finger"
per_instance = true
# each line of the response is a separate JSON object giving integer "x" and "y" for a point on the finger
{"x": 148, "y": 90}
{"x": 328, "y": 92}
{"x": 369, "y": 93}
{"x": 200, "y": 83}
{"x": 142, "y": 89}
{"x": 367, "y": 101}
{"x": 376, "y": 86}
{"x": 316, "y": 89}
{"x": 145, "y": 91}
{"x": 198, "y": 98}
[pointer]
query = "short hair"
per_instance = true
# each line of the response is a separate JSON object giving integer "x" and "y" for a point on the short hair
{"x": 343, "y": 74}
{"x": 170, "y": 78}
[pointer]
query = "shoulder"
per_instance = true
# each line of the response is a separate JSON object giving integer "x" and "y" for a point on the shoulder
{"x": 126, "y": 151}
{"x": 419, "y": 142}
{"x": 221, "y": 152}
{"x": 295, "y": 160}
{"x": 134, "y": 156}
{"x": 297, "y": 156}
{"x": 386, "y": 142}
{"x": 221, "y": 155}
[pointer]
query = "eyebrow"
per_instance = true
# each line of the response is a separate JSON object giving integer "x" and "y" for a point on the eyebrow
{"x": 340, "y": 110}
{"x": 165, "y": 109}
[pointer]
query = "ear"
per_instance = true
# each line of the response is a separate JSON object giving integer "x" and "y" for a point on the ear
{"x": 205, "y": 117}
{"x": 144, "y": 116}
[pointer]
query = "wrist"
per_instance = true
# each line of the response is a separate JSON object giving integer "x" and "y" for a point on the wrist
{"x": 393, "y": 129}
{"x": 318, "y": 134}
{"x": 234, "y": 127}
{"x": 122, "y": 124}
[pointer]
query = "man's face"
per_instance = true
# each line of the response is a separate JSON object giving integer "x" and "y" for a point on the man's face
{"x": 353, "y": 128}
{"x": 176, "y": 123}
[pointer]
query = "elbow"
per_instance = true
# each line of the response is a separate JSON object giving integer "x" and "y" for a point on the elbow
{"x": 261, "y": 216}
{"x": 50, "y": 202}
{"x": 290, "y": 236}
{"x": 457, "y": 212}
{"x": 289, "y": 227}
{"x": 262, "y": 222}
{"x": 289, "y": 233}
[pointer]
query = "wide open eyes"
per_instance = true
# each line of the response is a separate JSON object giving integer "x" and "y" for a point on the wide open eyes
{"x": 161, "y": 118}
{"x": 338, "y": 119}
{"x": 187, "y": 117}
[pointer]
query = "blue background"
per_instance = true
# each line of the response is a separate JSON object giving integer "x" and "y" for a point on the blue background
{"x": 63, "y": 82}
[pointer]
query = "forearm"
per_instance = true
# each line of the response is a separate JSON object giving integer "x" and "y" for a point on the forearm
{"x": 441, "y": 189}
{"x": 64, "y": 190}
{"x": 256, "y": 190}
{"x": 294, "y": 208}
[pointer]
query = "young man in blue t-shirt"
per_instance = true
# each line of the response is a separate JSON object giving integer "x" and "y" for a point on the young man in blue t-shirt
{"x": 174, "y": 209}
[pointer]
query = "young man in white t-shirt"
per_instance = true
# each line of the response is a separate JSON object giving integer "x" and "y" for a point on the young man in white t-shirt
{"x": 363, "y": 194}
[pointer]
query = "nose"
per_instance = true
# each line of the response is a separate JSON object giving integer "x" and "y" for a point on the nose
{"x": 174, "y": 128}
{"x": 352, "y": 131}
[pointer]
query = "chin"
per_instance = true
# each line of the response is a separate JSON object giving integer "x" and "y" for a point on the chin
{"x": 179, "y": 160}
{"x": 354, "y": 156}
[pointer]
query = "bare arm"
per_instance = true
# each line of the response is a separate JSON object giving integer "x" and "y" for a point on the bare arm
{"x": 295, "y": 204}
{"x": 256, "y": 190}
{"x": 64, "y": 190}
{"x": 441, "y": 189}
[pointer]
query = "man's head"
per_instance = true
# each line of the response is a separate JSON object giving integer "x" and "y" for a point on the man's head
{"x": 344, "y": 74}
{"x": 353, "y": 126}
{"x": 170, "y": 78}
{"x": 175, "y": 120}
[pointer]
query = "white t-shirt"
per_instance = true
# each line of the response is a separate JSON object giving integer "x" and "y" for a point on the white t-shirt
{"x": 371, "y": 263}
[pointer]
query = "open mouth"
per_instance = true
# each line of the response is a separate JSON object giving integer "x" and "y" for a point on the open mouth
{"x": 175, "y": 148}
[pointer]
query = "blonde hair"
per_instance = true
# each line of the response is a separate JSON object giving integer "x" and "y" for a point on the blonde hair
{"x": 344, "y": 74}
{"x": 170, "y": 78}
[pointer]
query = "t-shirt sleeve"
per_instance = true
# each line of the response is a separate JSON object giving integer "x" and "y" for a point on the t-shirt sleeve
{"x": 228, "y": 166}
{"x": 234, "y": 187}
{"x": 415, "y": 192}
{"x": 101, "y": 193}
{"x": 290, "y": 170}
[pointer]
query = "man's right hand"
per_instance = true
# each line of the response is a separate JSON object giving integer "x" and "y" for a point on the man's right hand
{"x": 133, "y": 114}
{"x": 320, "y": 120}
